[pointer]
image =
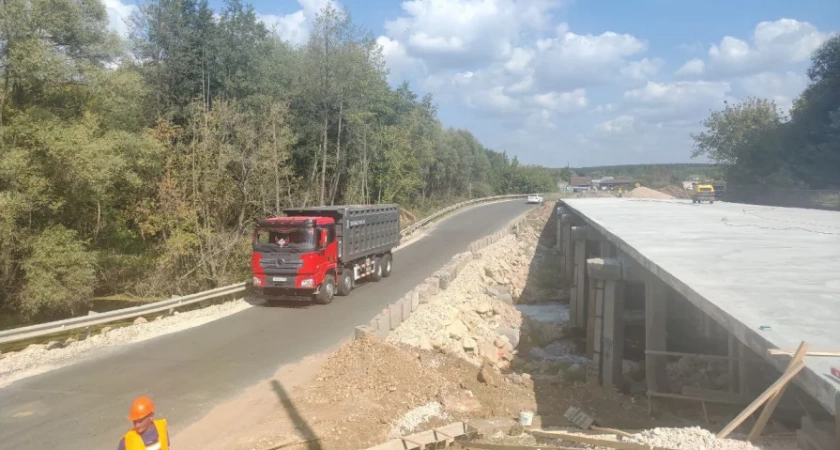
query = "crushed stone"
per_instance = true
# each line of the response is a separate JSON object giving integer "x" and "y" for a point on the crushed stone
{"x": 416, "y": 417}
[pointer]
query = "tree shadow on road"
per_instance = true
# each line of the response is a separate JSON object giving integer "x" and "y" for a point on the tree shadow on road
{"x": 309, "y": 438}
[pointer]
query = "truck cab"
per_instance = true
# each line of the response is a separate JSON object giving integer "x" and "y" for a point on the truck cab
{"x": 320, "y": 252}
{"x": 292, "y": 255}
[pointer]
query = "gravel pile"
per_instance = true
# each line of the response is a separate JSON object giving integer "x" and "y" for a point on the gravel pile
{"x": 689, "y": 438}
{"x": 643, "y": 192}
{"x": 41, "y": 358}
{"x": 696, "y": 438}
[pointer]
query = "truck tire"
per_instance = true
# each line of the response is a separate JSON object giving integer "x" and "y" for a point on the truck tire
{"x": 327, "y": 292}
{"x": 377, "y": 269}
{"x": 345, "y": 282}
{"x": 387, "y": 260}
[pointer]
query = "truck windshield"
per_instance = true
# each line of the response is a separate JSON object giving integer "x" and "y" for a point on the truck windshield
{"x": 281, "y": 238}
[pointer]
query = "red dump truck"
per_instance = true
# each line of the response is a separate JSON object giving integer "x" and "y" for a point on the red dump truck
{"x": 316, "y": 253}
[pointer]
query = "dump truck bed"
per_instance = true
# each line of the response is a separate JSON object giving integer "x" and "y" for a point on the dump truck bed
{"x": 361, "y": 230}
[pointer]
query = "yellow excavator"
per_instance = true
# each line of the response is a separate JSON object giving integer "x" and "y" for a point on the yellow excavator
{"x": 703, "y": 192}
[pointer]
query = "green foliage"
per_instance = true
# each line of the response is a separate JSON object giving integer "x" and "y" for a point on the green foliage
{"x": 143, "y": 173}
{"x": 59, "y": 274}
{"x": 754, "y": 145}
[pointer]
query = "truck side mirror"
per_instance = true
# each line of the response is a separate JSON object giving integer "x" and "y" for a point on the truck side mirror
{"x": 322, "y": 238}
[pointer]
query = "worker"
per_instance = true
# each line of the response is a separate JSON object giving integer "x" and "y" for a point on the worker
{"x": 148, "y": 433}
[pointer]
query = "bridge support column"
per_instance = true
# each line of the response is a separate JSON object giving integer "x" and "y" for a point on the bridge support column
{"x": 656, "y": 338}
{"x": 568, "y": 249}
{"x": 558, "y": 244}
{"x": 608, "y": 319}
{"x": 577, "y": 306}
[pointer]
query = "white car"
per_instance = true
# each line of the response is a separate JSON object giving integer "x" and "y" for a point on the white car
{"x": 535, "y": 198}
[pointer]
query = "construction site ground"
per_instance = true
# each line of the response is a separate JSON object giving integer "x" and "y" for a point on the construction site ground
{"x": 490, "y": 346}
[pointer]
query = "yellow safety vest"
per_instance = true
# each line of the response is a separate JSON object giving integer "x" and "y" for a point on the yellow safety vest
{"x": 133, "y": 440}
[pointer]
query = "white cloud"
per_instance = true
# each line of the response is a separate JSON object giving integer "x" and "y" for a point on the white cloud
{"x": 562, "y": 102}
{"x": 642, "y": 70}
{"x": 695, "y": 66}
{"x": 676, "y": 101}
{"x": 774, "y": 45}
{"x": 458, "y": 34}
{"x": 295, "y": 27}
{"x": 783, "y": 88}
{"x": 118, "y": 14}
{"x": 569, "y": 60}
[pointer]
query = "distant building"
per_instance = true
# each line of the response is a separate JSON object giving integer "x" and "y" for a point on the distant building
{"x": 581, "y": 183}
{"x": 610, "y": 183}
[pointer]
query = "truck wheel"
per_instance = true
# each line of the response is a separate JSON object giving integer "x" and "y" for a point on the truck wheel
{"x": 327, "y": 292}
{"x": 386, "y": 265}
{"x": 345, "y": 284}
{"x": 377, "y": 269}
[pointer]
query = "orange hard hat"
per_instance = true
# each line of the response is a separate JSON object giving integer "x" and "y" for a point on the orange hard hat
{"x": 142, "y": 407}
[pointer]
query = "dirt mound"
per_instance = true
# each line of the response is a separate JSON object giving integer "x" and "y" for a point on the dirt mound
{"x": 643, "y": 192}
{"x": 676, "y": 192}
{"x": 370, "y": 390}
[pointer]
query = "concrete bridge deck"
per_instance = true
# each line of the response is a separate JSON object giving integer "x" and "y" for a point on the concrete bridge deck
{"x": 745, "y": 266}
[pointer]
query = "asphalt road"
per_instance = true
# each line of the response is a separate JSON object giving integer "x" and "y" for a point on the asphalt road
{"x": 84, "y": 406}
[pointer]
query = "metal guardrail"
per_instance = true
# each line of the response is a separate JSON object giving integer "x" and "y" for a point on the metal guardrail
{"x": 48, "y": 328}
{"x": 421, "y": 223}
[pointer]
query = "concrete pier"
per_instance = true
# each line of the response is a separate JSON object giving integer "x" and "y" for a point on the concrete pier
{"x": 656, "y": 337}
{"x": 608, "y": 319}
{"x": 577, "y": 307}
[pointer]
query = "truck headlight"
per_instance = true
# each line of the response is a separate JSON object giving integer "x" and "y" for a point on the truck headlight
{"x": 257, "y": 281}
{"x": 307, "y": 282}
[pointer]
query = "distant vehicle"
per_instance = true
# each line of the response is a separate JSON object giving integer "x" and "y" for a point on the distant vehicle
{"x": 535, "y": 198}
{"x": 316, "y": 253}
{"x": 703, "y": 193}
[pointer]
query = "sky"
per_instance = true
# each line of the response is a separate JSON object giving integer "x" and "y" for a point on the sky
{"x": 580, "y": 82}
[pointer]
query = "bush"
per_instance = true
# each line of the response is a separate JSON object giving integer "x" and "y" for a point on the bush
{"x": 59, "y": 274}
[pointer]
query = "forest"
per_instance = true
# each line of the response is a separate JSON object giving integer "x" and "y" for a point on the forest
{"x": 760, "y": 148}
{"x": 137, "y": 166}
{"x": 653, "y": 175}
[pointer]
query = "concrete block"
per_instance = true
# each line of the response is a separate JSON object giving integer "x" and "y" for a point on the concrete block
{"x": 395, "y": 315}
{"x": 604, "y": 268}
{"x": 383, "y": 323}
{"x": 630, "y": 269}
{"x": 405, "y": 305}
{"x": 580, "y": 233}
{"x": 423, "y": 293}
{"x": 434, "y": 285}
{"x": 414, "y": 299}
{"x": 362, "y": 330}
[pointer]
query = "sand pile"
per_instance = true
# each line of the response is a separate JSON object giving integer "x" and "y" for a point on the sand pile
{"x": 643, "y": 192}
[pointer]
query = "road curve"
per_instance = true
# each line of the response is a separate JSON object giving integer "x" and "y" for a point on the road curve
{"x": 84, "y": 406}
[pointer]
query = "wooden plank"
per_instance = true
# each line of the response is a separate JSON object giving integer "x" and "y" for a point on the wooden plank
{"x": 483, "y": 446}
{"x": 594, "y": 441}
{"x": 759, "y": 425}
{"x": 446, "y": 433}
{"x": 776, "y": 352}
{"x": 775, "y": 387}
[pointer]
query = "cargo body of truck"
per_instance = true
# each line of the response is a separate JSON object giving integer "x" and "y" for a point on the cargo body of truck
{"x": 319, "y": 252}
{"x": 703, "y": 193}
